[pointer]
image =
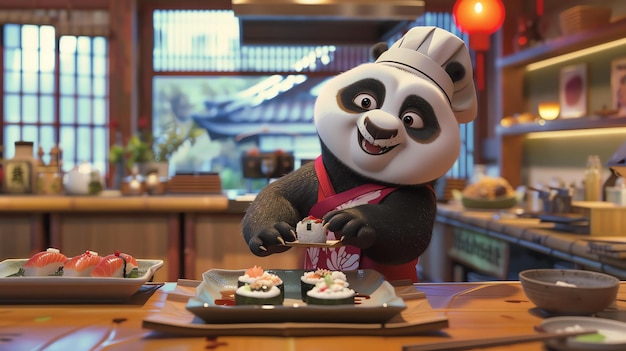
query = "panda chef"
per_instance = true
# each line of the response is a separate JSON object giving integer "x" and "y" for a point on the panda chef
{"x": 387, "y": 130}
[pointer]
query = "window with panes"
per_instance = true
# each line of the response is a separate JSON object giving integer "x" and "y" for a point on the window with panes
{"x": 55, "y": 92}
{"x": 194, "y": 48}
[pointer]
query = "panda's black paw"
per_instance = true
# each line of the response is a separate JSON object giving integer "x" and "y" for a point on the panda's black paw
{"x": 271, "y": 239}
{"x": 351, "y": 227}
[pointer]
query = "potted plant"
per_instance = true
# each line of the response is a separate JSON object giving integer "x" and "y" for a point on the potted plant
{"x": 137, "y": 149}
{"x": 151, "y": 153}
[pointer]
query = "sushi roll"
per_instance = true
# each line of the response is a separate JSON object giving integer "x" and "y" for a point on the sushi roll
{"x": 49, "y": 262}
{"x": 308, "y": 280}
{"x": 259, "y": 292}
{"x": 81, "y": 265}
{"x": 330, "y": 292}
{"x": 117, "y": 265}
{"x": 310, "y": 230}
{"x": 255, "y": 273}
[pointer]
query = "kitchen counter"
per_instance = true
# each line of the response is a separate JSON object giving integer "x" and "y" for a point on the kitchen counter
{"x": 106, "y": 203}
{"x": 473, "y": 311}
{"x": 192, "y": 233}
{"x": 530, "y": 233}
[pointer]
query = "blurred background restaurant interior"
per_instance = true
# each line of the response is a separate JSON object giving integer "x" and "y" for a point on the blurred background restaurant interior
{"x": 90, "y": 75}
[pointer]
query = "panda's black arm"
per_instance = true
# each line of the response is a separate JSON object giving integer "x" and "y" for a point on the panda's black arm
{"x": 281, "y": 204}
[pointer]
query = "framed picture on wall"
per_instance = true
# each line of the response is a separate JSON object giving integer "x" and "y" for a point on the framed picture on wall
{"x": 573, "y": 91}
{"x": 618, "y": 85}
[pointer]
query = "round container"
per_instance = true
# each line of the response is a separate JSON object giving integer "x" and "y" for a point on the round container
{"x": 83, "y": 180}
{"x": 569, "y": 291}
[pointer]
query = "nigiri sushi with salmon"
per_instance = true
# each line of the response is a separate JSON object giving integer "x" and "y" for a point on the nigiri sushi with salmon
{"x": 49, "y": 262}
{"x": 81, "y": 265}
{"x": 117, "y": 265}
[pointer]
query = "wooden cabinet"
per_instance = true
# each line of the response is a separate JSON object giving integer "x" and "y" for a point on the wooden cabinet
{"x": 147, "y": 227}
{"x": 515, "y": 93}
{"x": 141, "y": 234}
{"x": 21, "y": 234}
{"x": 215, "y": 241}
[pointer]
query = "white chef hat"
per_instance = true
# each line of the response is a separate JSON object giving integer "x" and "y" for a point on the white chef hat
{"x": 443, "y": 58}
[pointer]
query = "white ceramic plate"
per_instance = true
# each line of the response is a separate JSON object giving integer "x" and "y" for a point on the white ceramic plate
{"x": 328, "y": 243}
{"x": 613, "y": 333}
{"x": 70, "y": 289}
{"x": 378, "y": 303}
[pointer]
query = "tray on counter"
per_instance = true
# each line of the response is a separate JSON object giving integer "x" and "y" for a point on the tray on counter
{"x": 176, "y": 318}
{"x": 70, "y": 290}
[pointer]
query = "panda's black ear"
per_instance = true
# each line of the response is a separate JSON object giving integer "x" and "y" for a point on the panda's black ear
{"x": 455, "y": 70}
{"x": 377, "y": 50}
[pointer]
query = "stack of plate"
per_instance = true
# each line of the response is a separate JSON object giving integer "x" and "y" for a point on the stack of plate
{"x": 582, "y": 18}
{"x": 195, "y": 183}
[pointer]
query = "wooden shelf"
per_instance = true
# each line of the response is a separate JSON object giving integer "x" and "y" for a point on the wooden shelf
{"x": 512, "y": 68}
{"x": 564, "y": 45}
{"x": 581, "y": 123}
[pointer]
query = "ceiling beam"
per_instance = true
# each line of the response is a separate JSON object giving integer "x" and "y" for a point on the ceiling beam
{"x": 329, "y": 9}
{"x": 54, "y": 4}
{"x": 314, "y": 32}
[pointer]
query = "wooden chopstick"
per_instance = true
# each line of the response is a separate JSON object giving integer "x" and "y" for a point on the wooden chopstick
{"x": 491, "y": 342}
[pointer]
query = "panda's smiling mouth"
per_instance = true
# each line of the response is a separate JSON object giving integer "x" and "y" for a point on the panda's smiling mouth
{"x": 382, "y": 140}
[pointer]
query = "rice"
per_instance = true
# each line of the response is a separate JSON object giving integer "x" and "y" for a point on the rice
{"x": 330, "y": 291}
{"x": 311, "y": 230}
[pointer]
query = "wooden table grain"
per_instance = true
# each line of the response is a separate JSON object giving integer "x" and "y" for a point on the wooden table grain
{"x": 474, "y": 310}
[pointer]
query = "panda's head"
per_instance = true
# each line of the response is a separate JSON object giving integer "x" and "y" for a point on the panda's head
{"x": 397, "y": 120}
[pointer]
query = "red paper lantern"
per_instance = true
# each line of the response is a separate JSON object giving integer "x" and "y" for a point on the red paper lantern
{"x": 479, "y": 19}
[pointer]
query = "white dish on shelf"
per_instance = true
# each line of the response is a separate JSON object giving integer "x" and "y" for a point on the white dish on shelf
{"x": 60, "y": 289}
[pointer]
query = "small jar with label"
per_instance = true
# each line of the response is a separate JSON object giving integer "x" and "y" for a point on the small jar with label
{"x": 19, "y": 172}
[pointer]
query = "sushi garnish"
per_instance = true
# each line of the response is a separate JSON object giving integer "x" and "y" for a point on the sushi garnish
{"x": 259, "y": 292}
{"x": 261, "y": 285}
{"x": 251, "y": 274}
{"x": 255, "y": 271}
{"x": 19, "y": 273}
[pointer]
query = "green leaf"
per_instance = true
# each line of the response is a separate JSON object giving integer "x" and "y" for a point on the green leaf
{"x": 134, "y": 273}
{"x": 20, "y": 273}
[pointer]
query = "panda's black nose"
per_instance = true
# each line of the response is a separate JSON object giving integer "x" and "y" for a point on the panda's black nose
{"x": 379, "y": 133}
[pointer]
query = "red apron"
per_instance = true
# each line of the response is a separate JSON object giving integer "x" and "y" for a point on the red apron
{"x": 349, "y": 257}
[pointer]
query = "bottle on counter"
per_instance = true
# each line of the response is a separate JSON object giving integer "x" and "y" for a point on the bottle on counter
{"x": 593, "y": 183}
{"x": 609, "y": 183}
{"x": 20, "y": 172}
{"x": 49, "y": 176}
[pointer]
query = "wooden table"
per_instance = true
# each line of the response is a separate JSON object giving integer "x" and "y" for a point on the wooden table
{"x": 473, "y": 309}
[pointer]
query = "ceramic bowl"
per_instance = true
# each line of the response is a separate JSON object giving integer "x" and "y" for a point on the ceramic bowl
{"x": 569, "y": 291}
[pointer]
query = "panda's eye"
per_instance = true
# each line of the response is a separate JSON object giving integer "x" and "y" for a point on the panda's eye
{"x": 412, "y": 120}
{"x": 365, "y": 101}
